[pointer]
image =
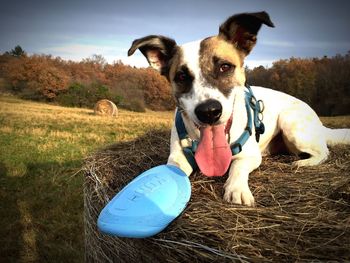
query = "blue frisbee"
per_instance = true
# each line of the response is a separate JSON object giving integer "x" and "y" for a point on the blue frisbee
{"x": 147, "y": 204}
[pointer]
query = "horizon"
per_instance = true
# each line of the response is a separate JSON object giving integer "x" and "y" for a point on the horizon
{"x": 100, "y": 57}
{"x": 76, "y": 30}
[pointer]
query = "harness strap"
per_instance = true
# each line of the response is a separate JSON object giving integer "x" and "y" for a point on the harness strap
{"x": 183, "y": 135}
{"x": 258, "y": 107}
{"x": 236, "y": 147}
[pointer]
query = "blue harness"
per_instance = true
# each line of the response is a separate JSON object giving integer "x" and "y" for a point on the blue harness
{"x": 250, "y": 104}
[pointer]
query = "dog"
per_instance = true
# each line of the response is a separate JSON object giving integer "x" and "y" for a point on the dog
{"x": 215, "y": 107}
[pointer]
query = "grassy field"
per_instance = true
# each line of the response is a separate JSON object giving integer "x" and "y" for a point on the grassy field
{"x": 42, "y": 148}
{"x": 41, "y": 152}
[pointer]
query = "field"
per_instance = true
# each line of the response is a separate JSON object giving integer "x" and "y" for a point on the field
{"x": 41, "y": 152}
{"x": 42, "y": 148}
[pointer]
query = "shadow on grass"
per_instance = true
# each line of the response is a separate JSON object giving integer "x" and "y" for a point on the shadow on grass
{"x": 10, "y": 226}
{"x": 42, "y": 213}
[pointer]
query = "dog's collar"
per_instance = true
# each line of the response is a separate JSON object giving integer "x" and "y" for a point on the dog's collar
{"x": 251, "y": 103}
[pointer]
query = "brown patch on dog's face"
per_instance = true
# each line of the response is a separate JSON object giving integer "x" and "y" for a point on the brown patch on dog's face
{"x": 206, "y": 69}
{"x": 180, "y": 76}
{"x": 221, "y": 64}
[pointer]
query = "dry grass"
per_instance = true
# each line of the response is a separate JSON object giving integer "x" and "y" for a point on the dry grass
{"x": 41, "y": 149}
{"x": 337, "y": 122}
{"x": 78, "y": 123}
{"x": 301, "y": 214}
{"x": 41, "y": 193}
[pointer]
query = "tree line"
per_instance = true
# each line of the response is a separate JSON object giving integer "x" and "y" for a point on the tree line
{"x": 323, "y": 83}
{"x": 82, "y": 84}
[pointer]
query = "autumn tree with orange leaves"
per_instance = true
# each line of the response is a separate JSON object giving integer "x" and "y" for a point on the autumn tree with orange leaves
{"x": 36, "y": 76}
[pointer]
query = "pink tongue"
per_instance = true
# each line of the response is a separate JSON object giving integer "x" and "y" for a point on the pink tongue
{"x": 213, "y": 154}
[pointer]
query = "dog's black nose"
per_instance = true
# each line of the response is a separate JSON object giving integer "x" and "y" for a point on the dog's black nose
{"x": 209, "y": 111}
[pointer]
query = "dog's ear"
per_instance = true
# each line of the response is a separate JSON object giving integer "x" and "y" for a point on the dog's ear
{"x": 242, "y": 29}
{"x": 157, "y": 49}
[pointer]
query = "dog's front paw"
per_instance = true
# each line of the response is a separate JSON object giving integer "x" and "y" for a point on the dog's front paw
{"x": 239, "y": 194}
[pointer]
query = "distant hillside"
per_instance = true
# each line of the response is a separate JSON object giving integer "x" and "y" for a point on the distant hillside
{"x": 46, "y": 78}
{"x": 322, "y": 83}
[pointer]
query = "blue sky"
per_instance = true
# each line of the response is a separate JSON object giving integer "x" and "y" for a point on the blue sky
{"x": 78, "y": 29}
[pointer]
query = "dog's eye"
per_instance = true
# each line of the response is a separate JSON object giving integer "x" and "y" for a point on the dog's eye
{"x": 181, "y": 76}
{"x": 225, "y": 67}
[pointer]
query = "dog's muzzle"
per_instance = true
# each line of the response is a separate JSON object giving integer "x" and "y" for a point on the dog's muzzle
{"x": 209, "y": 112}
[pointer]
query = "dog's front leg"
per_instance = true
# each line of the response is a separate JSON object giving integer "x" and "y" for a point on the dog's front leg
{"x": 177, "y": 156}
{"x": 236, "y": 187}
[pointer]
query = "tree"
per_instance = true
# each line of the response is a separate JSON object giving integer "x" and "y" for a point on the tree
{"x": 157, "y": 91}
{"x": 36, "y": 76}
{"x": 17, "y": 52}
{"x": 97, "y": 60}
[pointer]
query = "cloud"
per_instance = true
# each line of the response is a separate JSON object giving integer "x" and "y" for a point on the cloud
{"x": 305, "y": 44}
{"x": 111, "y": 53}
{"x": 77, "y": 52}
{"x": 324, "y": 44}
{"x": 136, "y": 60}
{"x": 277, "y": 43}
{"x": 256, "y": 63}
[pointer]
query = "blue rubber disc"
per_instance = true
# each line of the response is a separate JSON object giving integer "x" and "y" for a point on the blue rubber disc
{"x": 147, "y": 204}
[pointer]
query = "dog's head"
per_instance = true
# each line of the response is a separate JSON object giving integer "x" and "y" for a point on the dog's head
{"x": 204, "y": 73}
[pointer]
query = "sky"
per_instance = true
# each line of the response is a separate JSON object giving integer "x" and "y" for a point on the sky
{"x": 77, "y": 29}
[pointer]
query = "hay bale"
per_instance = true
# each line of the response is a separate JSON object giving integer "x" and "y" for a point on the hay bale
{"x": 301, "y": 215}
{"x": 106, "y": 108}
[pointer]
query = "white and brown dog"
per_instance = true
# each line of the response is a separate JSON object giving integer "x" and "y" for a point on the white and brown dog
{"x": 208, "y": 81}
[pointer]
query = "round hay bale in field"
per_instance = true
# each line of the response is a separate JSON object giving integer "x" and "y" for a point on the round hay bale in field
{"x": 301, "y": 214}
{"x": 106, "y": 108}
